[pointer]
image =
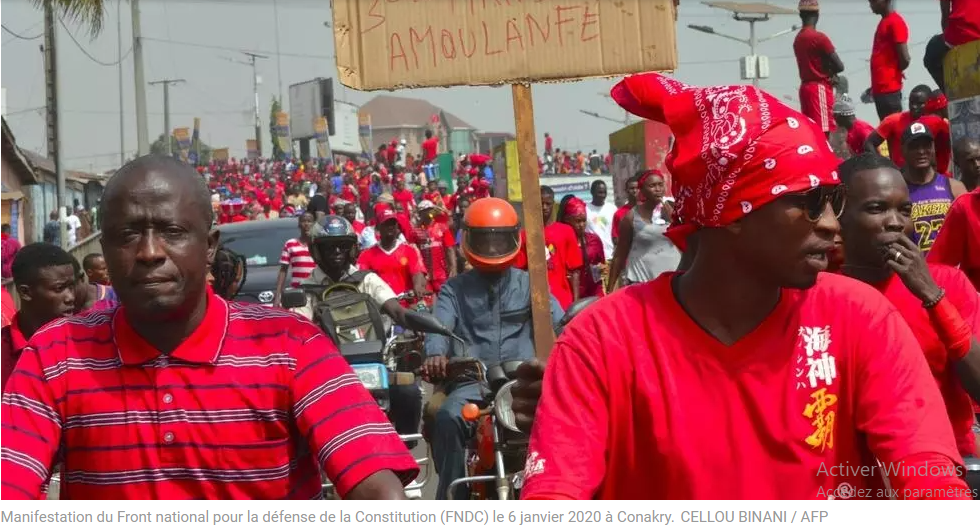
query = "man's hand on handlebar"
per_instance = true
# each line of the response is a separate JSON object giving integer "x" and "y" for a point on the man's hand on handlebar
{"x": 434, "y": 368}
{"x": 527, "y": 392}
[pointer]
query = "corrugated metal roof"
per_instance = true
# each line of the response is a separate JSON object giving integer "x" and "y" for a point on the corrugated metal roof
{"x": 752, "y": 8}
{"x": 388, "y": 111}
{"x": 16, "y": 156}
{"x": 47, "y": 165}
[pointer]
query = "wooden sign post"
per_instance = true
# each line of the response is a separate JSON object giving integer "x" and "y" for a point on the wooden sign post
{"x": 392, "y": 44}
{"x": 537, "y": 264}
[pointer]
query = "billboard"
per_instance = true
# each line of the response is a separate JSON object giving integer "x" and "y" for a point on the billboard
{"x": 346, "y": 136}
{"x": 308, "y": 101}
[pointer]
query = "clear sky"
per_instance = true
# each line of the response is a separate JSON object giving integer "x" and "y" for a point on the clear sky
{"x": 200, "y": 40}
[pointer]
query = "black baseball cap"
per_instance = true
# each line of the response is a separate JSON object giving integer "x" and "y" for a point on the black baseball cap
{"x": 916, "y": 131}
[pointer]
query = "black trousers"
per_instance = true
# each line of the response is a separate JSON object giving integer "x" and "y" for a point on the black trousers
{"x": 406, "y": 409}
{"x": 936, "y": 51}
{"x": 888, "y": 104}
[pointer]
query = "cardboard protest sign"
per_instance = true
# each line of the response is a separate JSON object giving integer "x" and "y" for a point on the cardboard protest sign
{"x": 390, "y": 44}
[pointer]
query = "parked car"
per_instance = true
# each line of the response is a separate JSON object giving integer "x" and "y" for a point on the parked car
{"x": 261, "y": 242}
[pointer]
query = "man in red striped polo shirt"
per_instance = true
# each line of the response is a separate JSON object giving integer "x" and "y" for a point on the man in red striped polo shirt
{"x": 177, "y": 394}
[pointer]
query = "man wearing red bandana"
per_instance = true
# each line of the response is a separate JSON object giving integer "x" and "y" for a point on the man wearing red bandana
{"x": 750, "y": 374}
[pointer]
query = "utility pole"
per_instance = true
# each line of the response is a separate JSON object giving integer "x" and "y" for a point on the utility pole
{"x": 751, "y": 13}
{"x": 255, "y": 87}
{"x": 122, "y": 118}
{"x": 166, "y": 110}
{"x": 52, "y": 103}
{"x": 142, "y": 133}
{"x": 275, "y": 7}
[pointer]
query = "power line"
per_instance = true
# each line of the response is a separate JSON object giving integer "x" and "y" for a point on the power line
{"x": 87, "y": 54}
{"x": 21, "y": 37}
{"x": 242, "y": 112}
{"x": 236, "y": 50}
{"x": 786, "y": 57}
{"x": 24, "y": 111}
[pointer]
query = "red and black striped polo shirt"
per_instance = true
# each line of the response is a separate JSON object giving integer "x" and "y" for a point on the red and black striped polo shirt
{"x": 249, "y": 406}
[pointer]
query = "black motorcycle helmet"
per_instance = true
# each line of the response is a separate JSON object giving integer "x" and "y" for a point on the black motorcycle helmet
{"x": 333, "y": 243}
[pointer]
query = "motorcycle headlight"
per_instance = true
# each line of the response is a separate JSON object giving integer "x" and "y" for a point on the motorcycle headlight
{"x": 503, "y": 407}
{"x": 373, "y": 376}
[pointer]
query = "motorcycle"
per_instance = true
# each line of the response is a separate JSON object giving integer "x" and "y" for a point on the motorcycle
{"x": 497, "y": 452}
{"x": 380, "y": 364}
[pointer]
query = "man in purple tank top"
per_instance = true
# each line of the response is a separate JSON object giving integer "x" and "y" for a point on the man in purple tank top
{"x": 931, "y": 193}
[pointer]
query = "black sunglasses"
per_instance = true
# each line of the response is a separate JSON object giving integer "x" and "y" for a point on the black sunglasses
{"x": 342, "y": 246}
{"x": 814, "y": 202}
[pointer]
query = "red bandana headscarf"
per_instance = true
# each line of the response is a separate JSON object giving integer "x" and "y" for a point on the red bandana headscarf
{"x": 575, "y": 207}
{"x": 736, "y": 148}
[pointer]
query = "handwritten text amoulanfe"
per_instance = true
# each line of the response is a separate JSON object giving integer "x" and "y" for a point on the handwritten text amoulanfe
{"x": 472, "y": 34}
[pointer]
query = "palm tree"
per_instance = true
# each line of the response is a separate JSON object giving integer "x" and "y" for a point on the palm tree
{"x": 89, "y": 12}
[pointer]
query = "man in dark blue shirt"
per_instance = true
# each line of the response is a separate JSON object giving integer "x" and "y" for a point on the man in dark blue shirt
{"x": 489, "y": 308}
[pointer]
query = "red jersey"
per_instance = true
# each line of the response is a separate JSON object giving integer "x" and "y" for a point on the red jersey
{"x": 963, "y": 24}
{"x": 886, "y": 77}
{"x": 858, "y": 135}
{"x": 395, "y": 267}
{"x": 404, "y": 223}
{"x": 364, "y": 189}
{"x": 481, "y": 189}
{"x": 296, "y": 257}
{"x": 961, "y": 293}
{"x": 618, "y": 218}
{"x": 14, "y": 343}
{"x": 831, "y": 376}
{"x": 348, "y": 193}
{"x": 892, "y": 127}
{"x": 405, "y": 198}
{"x": 812, "y": 48}
{"x": 548, "y": 144}
{"x": 563, "y": 255}
{"x": 958, "y": 243}
{"x": 250, "y": 406}
{"x": 430, "y": 148}
{"x": 8, "y": 306}
{"x": 433, "y": 242}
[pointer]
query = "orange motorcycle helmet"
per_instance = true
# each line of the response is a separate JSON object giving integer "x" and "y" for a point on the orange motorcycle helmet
{"x": 491, "y": 235}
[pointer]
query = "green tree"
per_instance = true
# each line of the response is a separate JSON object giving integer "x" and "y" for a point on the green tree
{"x": 89, "y": 12}
{"x": 274, "y": 109}
{"x": 159, "y": 146}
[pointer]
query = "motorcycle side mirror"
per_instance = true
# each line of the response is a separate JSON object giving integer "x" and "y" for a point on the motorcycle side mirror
{"x": 293, "y": 298}
{"x": 576, "y": 308}
{"x": 426, "y": 322}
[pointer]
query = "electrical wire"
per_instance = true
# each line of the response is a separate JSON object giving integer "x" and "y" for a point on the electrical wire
{"x": 24, "y": 111}
{"x": 236, "y": 50}
{"x": 21, "y": 37}
{"x": 87, "y": 54}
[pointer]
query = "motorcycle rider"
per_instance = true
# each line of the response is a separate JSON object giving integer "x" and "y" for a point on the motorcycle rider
{"x": 489, "y": 308}
{"x": 333, "y": 245}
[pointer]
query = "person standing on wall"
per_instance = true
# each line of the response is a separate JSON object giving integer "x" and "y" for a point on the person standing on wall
{"x": 889, "y": 58}
{"x": 818, "y": 63}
